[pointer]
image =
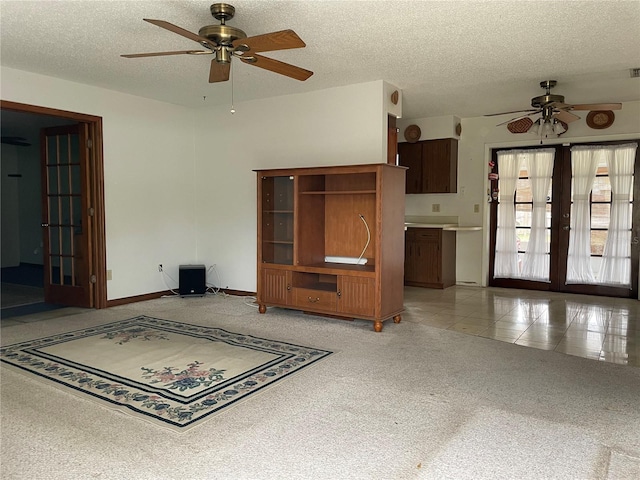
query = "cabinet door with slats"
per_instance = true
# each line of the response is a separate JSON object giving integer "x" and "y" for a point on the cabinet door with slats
{"x": 276, "y": 287}
{"x": 356, "y": 296}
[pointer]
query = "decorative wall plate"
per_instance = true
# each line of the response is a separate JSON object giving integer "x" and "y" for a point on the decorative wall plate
{"x": 394, "y": 97}
{"x": 600, "y": 119}
{"x": 520, "y": 126}
{"x": 412, "y": 133}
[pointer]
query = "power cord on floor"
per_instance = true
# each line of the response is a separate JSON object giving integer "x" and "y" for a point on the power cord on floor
{"x": 211, "y": 287}
{"x": 164, "y": 275}
{"x": 252, "y": 304}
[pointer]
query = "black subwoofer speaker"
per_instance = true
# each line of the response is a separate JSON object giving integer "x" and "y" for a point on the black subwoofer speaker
{"x": 192, "y": 280}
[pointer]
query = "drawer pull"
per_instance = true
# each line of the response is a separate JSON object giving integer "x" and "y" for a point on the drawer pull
{"x": 314, "y": 300}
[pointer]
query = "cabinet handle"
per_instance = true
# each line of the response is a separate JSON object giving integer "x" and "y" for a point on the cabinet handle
{"x": 288, "y": 287}
{"x": 339, "y": 293}
{"x": 314, "y": 300}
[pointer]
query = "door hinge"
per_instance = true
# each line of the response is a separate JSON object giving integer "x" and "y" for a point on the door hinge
{"x": 93, "y": 279}
{"x": 91, "y": 211}
{"x": 89, "y": 143}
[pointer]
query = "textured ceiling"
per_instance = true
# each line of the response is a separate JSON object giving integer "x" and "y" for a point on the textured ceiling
{"x": 464, "y": 58}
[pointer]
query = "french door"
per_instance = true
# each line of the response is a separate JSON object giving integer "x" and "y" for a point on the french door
{"x": 558, "y": 220}
{"x": 66, "y": 216}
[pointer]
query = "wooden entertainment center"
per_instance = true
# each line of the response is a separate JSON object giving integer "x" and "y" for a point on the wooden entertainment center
{"x": 331, "y": 241}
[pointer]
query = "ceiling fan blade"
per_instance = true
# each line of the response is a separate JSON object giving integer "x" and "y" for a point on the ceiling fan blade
{"x": 515, "y": 111}
{"x": 278, "y": 67}
{"x": 518, "y": 118}
{"x": 157, "y": 54}
{"x": 219, "y": 72}
{"x": 596, "y": 106}
{"x": 269, "y": 42}
{"x": 181, "y": 31}
{"x": 565, "y": 116}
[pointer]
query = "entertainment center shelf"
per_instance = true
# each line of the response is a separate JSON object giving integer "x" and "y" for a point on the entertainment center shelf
{"x": 331, "y": 241}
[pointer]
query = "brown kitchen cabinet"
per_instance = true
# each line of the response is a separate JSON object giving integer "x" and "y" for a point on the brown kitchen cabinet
{"x": 430, "y": 257}
{"x": 312, "y": 220}
{"x": 432, "y": 165}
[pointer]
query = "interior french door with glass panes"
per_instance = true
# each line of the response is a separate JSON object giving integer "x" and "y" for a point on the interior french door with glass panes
{"x": 565, "y": 219}
{"x": 66, "y": 217}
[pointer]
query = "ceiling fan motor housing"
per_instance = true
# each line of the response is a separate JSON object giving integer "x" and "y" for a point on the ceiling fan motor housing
{"x": 221, "y": 34}
{"x": 543, "y": 100}
{"x": 548, "y": 98}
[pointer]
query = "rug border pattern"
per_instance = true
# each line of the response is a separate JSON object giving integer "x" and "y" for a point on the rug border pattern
{"x": 169, "y": 409}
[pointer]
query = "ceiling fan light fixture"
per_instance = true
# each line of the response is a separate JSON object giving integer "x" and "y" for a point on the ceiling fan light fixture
{"x": 558, "y": 127}
{"x": 546, "y": 128}
{"x": 536, "y": 127}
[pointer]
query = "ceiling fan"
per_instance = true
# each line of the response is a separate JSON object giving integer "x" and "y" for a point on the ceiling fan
{"x": 555, "y": 114}
{"x": 225, "y": 42}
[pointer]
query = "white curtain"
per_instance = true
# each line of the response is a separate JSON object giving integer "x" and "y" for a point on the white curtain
{"x": 616, "y": 258}
{"x": 584, "y": 162}
{"x": 506, "y": 257}
{"x": 535, "y": 265}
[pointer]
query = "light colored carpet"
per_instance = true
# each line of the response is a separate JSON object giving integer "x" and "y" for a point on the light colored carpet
{"x": 173, "y": 373}
{"x": 389, "y": 405}
{"x": 501, "y": 445}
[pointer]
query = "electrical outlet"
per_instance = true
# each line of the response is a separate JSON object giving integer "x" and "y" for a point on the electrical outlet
{"x": 109, "y": 274}
{"x": 159, "y": 267}
{"x": 476, "y": 208}
{"x": 435, "y": 207}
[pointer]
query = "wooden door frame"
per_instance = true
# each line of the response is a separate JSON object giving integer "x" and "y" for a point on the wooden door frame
{"x": 97, "y": 250}
{"x": 560, "y": 237}
{"x": 493, "y": 226}
{"x": 602, "y": 290}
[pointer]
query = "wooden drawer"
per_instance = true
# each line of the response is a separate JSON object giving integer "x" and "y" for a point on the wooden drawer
{"x": 426, "y": 234}
{"x": 306, "y": 298}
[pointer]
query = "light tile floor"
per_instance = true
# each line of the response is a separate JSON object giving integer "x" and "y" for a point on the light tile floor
{"x": 600, "y": 328}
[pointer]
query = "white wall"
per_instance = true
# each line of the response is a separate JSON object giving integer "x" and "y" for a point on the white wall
{"x": 149, "y": 171}
{"x": 179, "y": 186}
{"x": 479, "y": 136}
{"x": 345, "y": 125}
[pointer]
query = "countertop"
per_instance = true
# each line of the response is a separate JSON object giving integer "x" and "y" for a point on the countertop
{"x": 445, "y": 223}
{"x": 443, "y": 226}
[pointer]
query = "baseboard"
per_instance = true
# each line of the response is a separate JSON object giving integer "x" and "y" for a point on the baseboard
{"x": 238, "y": 293}
{"x": 154, "y": 295}
{"x": 137, "y": 298}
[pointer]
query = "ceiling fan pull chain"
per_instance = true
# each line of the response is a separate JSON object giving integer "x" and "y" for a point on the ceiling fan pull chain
{"x": 233, "y": 110}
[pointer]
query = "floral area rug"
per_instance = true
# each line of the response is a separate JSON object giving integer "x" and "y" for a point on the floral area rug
{"x": 169, "y": 372}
